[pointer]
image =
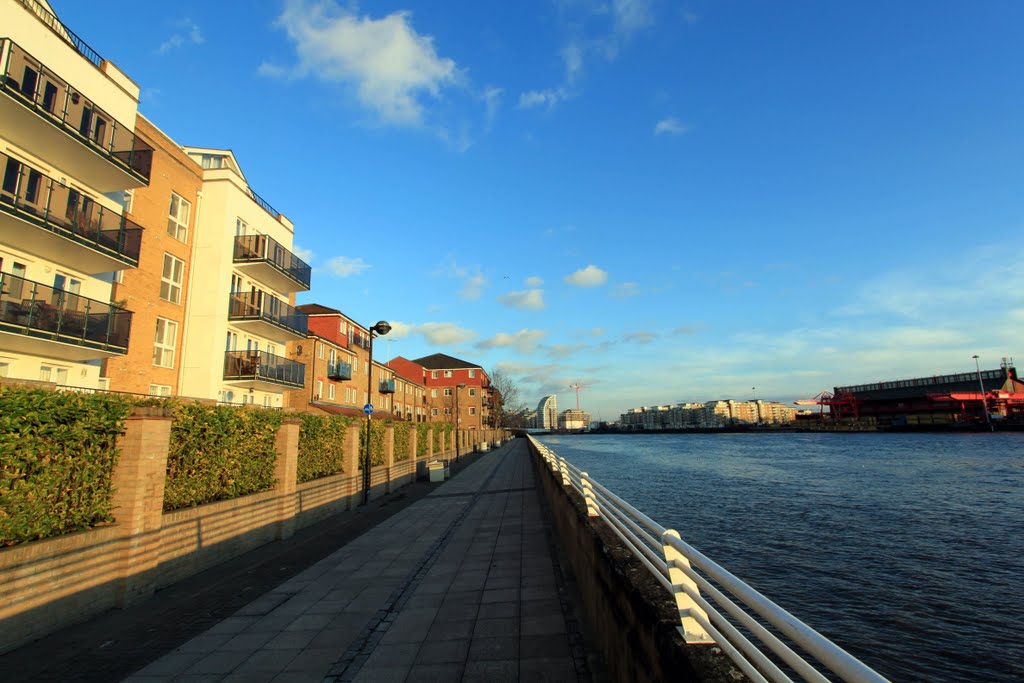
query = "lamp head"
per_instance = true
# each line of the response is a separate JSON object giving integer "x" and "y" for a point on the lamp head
{"x": 381, "y": 328}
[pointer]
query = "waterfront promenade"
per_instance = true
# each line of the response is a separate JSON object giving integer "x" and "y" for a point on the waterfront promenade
{"x": 462, "y": 584}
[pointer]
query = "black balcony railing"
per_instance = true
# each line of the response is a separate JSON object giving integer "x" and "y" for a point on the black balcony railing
{"x": 63, "y": 31}
{"x": 262, "y": 306}
{"x": 38, "y": 310}
{"x": 30, "y": 82}
{"x": 263, "y": 203}
{"x": 261, "y": 366}
{"x": 28, "y": 194}
{"x": 387, "y": 386}
{"x": 260, "y": 248}
{"x": 339, "y": 370}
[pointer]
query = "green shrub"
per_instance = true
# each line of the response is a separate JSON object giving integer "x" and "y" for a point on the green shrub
{"x": 57, "y": 457}
{"x": 377, "y": 430}
{"x": 422, "y": 445}
{"x": 218, "y": 453}
{"x": 321, "y": 445}
{"x": 401, "y": 441}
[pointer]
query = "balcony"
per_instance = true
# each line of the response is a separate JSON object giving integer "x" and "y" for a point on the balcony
{"x": 39, "y": 320}
{"x": 262, "y": 371}
{"x": 339, "y": 371}
{"x": 42, "y": 112}
{"x": 268, "y": 317}
{"x": 264, "y": 259}
{"x": 60, "y": 224}
{"x": 387, "y": 386}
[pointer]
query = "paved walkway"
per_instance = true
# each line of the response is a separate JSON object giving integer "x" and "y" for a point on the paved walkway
{"x": 460, "y": 585}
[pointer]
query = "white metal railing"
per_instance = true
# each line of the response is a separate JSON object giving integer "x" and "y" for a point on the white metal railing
{"x": 714, "y": 605}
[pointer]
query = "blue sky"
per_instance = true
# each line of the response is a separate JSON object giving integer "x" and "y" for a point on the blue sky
{"x": 663, "y": 201}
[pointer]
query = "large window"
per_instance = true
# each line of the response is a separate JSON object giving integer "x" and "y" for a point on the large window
{"x": 170, "y": 280}
{"x": 159, "y": 389}
{"x": 177, "y": 218}
{"x": 48, "y": 373}
{"x": 164, "y": 343}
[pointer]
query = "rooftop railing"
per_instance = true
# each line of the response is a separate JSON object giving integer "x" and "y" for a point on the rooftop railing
{"x": 63, "y": 31}
{"x": 262, "y": 366}
{"x": 259, "y": 306}
{"x": 30, "y": 82}
{"x": 38, "y": 310}
{"x": 714, "y": 605}
{"x": 263, "y": 203}
{"x": 924, "y": 381}
{"x": 39, "y": 199}
{"x": 264, "y": 249}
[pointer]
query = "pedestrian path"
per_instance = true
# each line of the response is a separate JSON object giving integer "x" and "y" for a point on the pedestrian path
{"x": 461, "y": 585}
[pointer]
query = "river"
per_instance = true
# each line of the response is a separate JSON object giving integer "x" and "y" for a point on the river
{"x": 905, "y": 549}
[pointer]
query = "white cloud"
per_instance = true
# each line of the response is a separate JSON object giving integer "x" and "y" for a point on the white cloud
{"x": 639, "y": 337}
{"x": 392, "y": 67}
{"x": 524, "y": 341}
{"x": 438, "y": 334}
{"x": 344, "y": 266}
{"x": 190, "y": 34}
{"x": 626, "y": 289}
{"x": 534, "y": 281}
{"x": 492, "y": 102}
{"x": 473, "y": 287}
{"x": 542, "y": 98}
{"x": 529, "y": 300}
{"x": 591, "y": 276}
{"x": 564, "y": 350}
{"x": 304, "y": 254}
{"x": 670, "y": 126}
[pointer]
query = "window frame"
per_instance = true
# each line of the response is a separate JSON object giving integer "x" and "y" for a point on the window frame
{"x": 177, "y": 228}
{"x": 172, "y": 286}
{"x": 160, "y": 346}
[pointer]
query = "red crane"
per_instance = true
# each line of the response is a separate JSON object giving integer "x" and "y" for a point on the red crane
{"x": 577, "y": 387}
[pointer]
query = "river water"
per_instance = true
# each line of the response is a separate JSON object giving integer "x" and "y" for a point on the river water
{"x": 905, "y": 549}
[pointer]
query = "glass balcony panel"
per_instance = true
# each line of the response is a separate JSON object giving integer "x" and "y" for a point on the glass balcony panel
{"x": 260, "y": 367}
{"x": 50, "y": 96}
{"x": 387, "y": 386}
{"x": 262, "y": 307}
{"x": 262, "y": 249}
{"x": 38, "y": 310}
{"x": 339, "y": 370}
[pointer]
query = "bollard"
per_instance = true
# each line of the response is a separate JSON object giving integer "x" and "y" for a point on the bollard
{"x": 588, "y": 495}
{"x": 693, "y": 632}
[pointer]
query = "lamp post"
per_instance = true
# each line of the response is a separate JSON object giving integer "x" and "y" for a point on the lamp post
{"x": 981, "y": 386}
{"x": 381, "y": 328}
{"x": 458, "y": 419}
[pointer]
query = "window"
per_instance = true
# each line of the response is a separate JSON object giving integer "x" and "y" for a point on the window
{"x": 319, "y": 388}
{"x": 266, "y": 401}
{"x": 213, "y": 161}
{"x": 51, "y": 374}
{"x": 472, "y": 373}
{"x": 433, "y": 393}
{"x": 433, "y": 412}
{"x": 232, "y": 343}
{"x": 472, "y": 391}
{"x": 447, "y": 373}
{"x": 170, "y": 280}
{"x": 159, "y": 389}
{"x": 348, "y": 395}
{"x": 177, "y": 218}
{"x": 330, "y": 391}
{"x": 447, "y": 411}
{"x": 433, "y": 374}
{"x": 320, "y": 351}
{"x": 164, "y": 343}
{"x": 472, "y": 410}
{"x": 332, "y": 357}
{"x": 4, "y": 369}
{"x": 240, "y": 227}
{"x": 447, "y": 392}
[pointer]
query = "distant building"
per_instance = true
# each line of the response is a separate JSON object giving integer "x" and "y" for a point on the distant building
{"x": 709, "y": 415}
{"x": 573, "y": 420}
{"x": 453, "y": 385}
{"x": 547, "y": 413}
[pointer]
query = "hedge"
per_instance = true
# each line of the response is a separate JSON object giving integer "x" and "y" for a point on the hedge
{"x": 57, "y": 456}
{"x": 440, "y": 428}
{"x": 219, "y": 453}
{"x": 321, "y": 445}
{"x": 377, "y": 430}
{"x": 422, "y": 445}
{"x": 401, "y": 441}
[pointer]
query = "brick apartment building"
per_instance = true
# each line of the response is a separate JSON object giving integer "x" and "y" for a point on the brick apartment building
{"x": 471, "y": 406}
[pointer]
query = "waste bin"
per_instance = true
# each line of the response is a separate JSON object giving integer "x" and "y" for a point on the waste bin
{"x": 438, "y": 470}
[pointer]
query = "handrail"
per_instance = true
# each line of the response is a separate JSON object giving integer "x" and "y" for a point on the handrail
{"x": 61, "y": 29}
{"x": 714, "y": 605}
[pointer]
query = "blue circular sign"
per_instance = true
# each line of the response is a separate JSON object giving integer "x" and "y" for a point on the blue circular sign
{"x": 368, "y": 409}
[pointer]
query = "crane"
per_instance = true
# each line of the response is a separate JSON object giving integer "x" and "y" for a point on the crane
{"x": 577, "y": 387}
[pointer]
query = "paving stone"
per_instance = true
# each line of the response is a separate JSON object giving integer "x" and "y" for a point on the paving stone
{"x": 220, "y": 662}
{"x": 249, "y": 642}
{"x": 488, "y": 671}
{"x": 542, "y": 625}
{"x": 451, "y": 630}
{"x": 551, "y": 646}
{"x": 498, "y": 610}
{"x": 502, "y": 647}
{"x": 435, "y": 673}
{"x": 506, "y": 626}
{"x": 397, "y": 655}
{"x": 389, "y": 674}
{"x": 543, "y": 670}
{"x": 443, "y": 651}
{"x": 501, "y": 595}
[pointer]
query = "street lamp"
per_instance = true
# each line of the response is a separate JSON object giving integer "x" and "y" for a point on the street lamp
{"x": 458, "y": 418}
{"x": 981, "y": 385}
{"x": 381, "y": 329}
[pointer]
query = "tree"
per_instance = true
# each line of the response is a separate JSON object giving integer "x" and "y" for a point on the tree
{"x": 509, "y": 407}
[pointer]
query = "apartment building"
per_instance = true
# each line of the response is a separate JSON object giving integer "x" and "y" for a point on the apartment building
{"x": 547, "y": 413}
{"x": 709, "y": 415}
{"x": 457, "y": 391}
{"x": 157, "y": 292}
{"x": 238, "y": 330}
{"x": 68, "y": 153}
{"x": 573, "y": 420}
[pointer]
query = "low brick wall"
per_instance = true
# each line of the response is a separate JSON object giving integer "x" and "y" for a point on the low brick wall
{"x": 631, "y": 616}
{"x": 46, "y": 585}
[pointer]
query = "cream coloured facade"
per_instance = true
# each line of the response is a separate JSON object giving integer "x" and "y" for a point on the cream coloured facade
{"x": 244, "y": 275}
{"x": 68, "y": 154}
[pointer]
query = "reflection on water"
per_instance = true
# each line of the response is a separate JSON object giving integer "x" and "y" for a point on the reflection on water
{"x": 907, "y": 550}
